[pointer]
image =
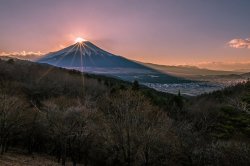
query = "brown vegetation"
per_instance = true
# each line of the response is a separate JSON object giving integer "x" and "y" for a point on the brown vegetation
{"x": 92, "y": 120}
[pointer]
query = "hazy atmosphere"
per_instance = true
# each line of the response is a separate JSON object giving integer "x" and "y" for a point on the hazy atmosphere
{"x": 210, "y": 34}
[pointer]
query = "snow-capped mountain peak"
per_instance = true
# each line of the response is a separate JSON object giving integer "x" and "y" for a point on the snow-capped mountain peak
{"x": 87, "y": 57}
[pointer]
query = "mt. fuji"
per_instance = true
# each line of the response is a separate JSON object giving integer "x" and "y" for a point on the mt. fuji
{"x": 86, "y": 57}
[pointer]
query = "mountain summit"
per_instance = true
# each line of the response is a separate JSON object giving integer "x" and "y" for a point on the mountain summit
{"x": 87, "y": 57}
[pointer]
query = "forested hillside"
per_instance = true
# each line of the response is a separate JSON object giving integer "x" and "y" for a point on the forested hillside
{"x": 95, "y": 120}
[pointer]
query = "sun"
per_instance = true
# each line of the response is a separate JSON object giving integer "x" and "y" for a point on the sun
{"x": 79, "y": 40}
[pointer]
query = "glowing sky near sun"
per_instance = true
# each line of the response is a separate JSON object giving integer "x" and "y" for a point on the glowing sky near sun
{"x": 162, "y": 31}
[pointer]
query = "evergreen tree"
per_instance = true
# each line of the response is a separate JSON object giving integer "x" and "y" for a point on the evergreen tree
{"x": 135, "y": 85}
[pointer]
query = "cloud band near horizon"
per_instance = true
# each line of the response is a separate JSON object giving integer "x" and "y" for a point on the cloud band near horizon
{"x": 27, "y": 55}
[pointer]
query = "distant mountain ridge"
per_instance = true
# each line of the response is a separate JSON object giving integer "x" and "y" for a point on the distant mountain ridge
{"x": 189, "y": 71}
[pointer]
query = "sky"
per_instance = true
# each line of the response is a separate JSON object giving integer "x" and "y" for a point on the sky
{"x": 212, "y": 33}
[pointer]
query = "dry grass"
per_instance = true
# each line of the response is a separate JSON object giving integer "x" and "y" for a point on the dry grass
{"x": 21, "y": 159}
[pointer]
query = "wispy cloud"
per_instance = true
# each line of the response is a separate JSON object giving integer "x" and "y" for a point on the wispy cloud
{"x": 23, "y": 54}
{"x": 239, "y": 43}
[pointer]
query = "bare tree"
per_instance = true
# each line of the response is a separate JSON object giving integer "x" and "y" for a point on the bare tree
{"x": 70, "y": 130}
{"x": 238, "y": 104}
{"x": 133, "y": 127}
{"x": 11, "y": 118}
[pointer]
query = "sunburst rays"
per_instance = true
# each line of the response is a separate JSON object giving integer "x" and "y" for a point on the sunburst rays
{"x": 83, "y": 51}
{"x": 60, "y": 58}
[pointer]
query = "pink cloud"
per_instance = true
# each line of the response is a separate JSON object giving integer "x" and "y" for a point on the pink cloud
{"x": 239, "y": 43}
